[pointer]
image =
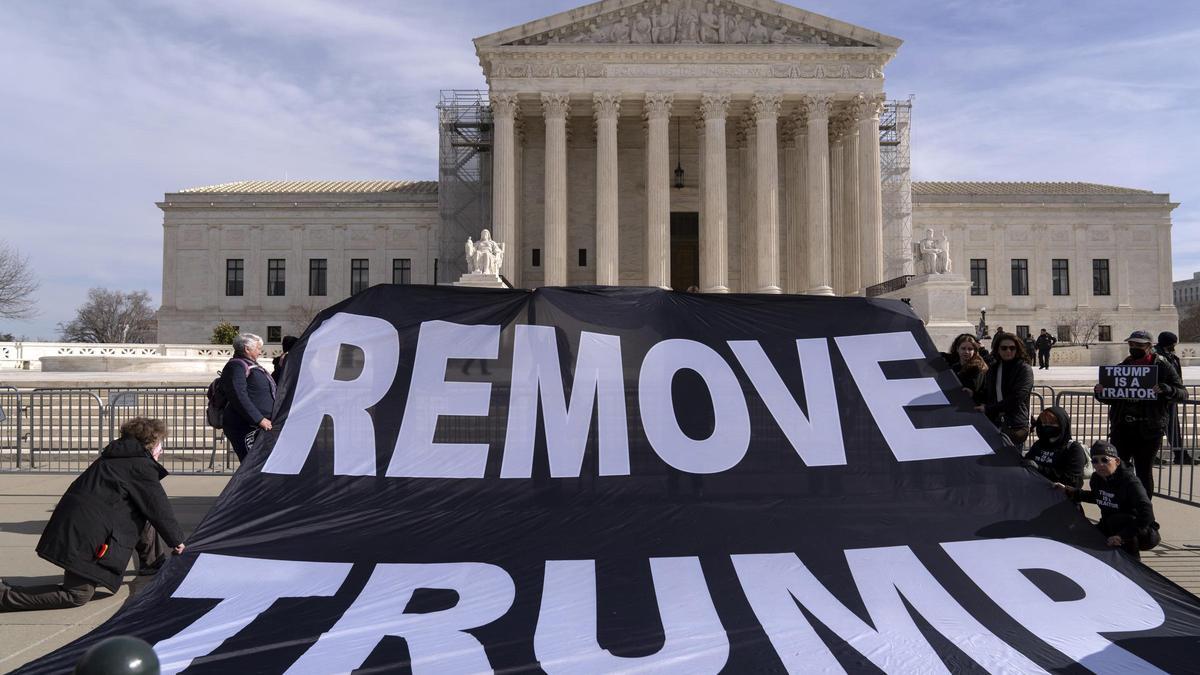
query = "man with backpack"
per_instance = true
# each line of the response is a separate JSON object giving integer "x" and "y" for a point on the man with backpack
{"x": 249, "y": 393}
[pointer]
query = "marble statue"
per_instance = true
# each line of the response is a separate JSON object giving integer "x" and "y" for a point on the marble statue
{"x": 664, "y": 26}
{"x": 932, "y": 255}
{"x": 710, "y": 26}
{"x": 689, "y": 24}
{"x": 758, "y": 34}
{"x": 642, "y": 29}
{"x": 621, "y": 31}
{"x": 485, "y": 256}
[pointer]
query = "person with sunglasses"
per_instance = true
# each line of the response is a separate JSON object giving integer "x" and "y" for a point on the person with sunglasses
{"x": 1136, "y": 428}
{"x": 1126, "y": 516}
{"x": 1006, "y": 389}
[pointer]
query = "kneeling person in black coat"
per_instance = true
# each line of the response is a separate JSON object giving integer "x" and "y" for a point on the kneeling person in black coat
{"x": 1055, "y": 455}
{"x": 114, "y": 508}
{"x": 1126, "y": 516}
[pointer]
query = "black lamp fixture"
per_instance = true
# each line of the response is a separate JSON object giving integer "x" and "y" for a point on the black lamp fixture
{"x": 678, "y": 159}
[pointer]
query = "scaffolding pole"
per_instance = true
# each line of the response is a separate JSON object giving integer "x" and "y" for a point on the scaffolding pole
{"x": 895, "y": 163}
{"x": 464, "y": 175}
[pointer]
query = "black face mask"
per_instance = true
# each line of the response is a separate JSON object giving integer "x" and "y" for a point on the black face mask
{"x": 1137, "y": 352}
{"x": 1048, "y": 433}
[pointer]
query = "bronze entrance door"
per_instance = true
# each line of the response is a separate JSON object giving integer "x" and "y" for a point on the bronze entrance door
{"x": 685, "y": 250}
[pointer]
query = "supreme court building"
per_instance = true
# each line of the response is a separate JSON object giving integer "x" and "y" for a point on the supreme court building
{"x": 729, "y": 146}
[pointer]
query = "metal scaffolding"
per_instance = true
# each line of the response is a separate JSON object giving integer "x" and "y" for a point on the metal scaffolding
{"x": 895, "y": 163}
{"x": 464, "y": 175}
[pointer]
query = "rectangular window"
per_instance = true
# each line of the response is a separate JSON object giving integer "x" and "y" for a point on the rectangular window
{"x": 1104, "y": 333}
{"x": 583, "y": 257}
{"x": 401, "y": 270}
{"x": 1022, "y": 332}
{"x": 1061, "y": 276}
{"x": 275, "y": 275}
{"x": 318, "y": 271}
{"x": 359, "y": 275}
{"x": 1064, "y": 333}
{"x": 1020, "y": 276}
{"x": 235, "y": 271}
{"x": 979, "y": 276}
{"x": 537, "y": 257}
{"x": 1100, "y": 284}
{"x": 274, "y": 335}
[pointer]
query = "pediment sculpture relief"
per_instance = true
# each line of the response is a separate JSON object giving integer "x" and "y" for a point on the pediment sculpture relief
{"x": 689, "y": 22}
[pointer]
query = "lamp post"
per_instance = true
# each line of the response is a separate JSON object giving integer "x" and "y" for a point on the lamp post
{"x": 981, "y": 331}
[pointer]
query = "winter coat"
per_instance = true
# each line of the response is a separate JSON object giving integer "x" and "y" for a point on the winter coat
{"x": 1012, "y": 410}
{"x": 1172, "y": 359}
{"x": 1044, "y": 342}
{"x": 251, "y": 393}
{"x": 1061, "y": 459}
{"x": 109, "y": 504}
{"x": 1148, "y": 415}
{"x": 1125, "y": 509}
{"x": 969, "y": 376}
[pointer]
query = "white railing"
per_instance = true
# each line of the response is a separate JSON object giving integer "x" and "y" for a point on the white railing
{"x": 27, "y": 355}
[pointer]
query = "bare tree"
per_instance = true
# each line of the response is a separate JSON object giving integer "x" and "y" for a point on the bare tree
{"x": 17, "y": 285}
{"x": 301, "y": 314}
{"x": 111, "y": 316}
{"x": 1082, "y": 323}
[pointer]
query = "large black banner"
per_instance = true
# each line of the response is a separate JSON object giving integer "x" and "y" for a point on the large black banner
{"x": 598, "y": 480}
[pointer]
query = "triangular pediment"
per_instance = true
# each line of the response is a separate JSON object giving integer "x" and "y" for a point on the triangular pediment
{"x": 716, "y": 22}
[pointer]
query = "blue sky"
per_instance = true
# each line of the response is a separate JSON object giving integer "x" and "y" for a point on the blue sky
{"x": 107, "y": 104}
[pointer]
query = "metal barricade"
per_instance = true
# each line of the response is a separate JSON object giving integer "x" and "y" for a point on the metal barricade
{"x": 64, "y": 429}
{"x": 1174, "y": 467}
{"x": 10, "y": 428}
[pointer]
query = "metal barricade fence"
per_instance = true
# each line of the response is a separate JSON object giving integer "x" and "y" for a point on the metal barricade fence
{"x": 64, "y": 430}
{"x": 1175, "y": 466}
{"x": 10, "y": 428}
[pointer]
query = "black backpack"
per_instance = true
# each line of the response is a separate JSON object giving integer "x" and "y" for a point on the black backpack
{"x": 218, "y": 399}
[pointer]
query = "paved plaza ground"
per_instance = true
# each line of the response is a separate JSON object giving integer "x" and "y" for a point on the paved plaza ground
{"x": 26, "y": 501}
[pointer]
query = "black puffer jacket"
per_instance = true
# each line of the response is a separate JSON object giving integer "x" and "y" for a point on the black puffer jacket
{"x": 1059, "y": 459}
{"x": 1124, "y": 507}
{"x": 1149, "y": 414}
{"x": 108, "y": 504}
{"x": 1011, "y": 411}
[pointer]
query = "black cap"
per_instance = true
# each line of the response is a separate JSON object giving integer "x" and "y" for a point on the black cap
{"x": 1139, "y": 336}
{"x": 1167, "y": 338}
{"x": 1104, "y": 449}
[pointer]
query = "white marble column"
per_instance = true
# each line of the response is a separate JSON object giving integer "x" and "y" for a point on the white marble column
{"x": 766, "y": 121}
{"x": 795, "y": 154}
{"x": 607, "y": 108}
{"x": 817, "y": 172}
{"x": 837, "y": 206}
{"x": 1083, "y": 265}
{"x": 852, "y": 253}
{"x": 504, "y": 174}
{"x": 555, "y": 108}
{"x": 657, "y": 110}
{"x": 699, "y": 128}
{"x": 870, "y": 192}
{"x": 748, "y": 230}
{"x": 516, "y": 249}
{"x": 1166, "y": 298}
{"x": 714, "y": 228}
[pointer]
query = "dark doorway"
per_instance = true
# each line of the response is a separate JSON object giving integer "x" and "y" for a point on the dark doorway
{"x": 685, "y": 250}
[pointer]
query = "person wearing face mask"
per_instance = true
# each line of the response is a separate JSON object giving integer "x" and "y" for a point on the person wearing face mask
{"x": 1006, "y": 389}
{"x": 1126, "y": 515}
{"x": 1165, "y": 347}
{"x": 968, "y": 365}
{"x": 1055, "y": 455}
{"x": 1136, "y": 427}
{"x": 113, "y": 509}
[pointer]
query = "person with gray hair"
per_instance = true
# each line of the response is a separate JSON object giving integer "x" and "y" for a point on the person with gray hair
{"x": 250, "y": 391}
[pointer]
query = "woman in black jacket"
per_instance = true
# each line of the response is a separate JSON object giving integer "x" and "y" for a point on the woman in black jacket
{"x": 1007, "y": 387}
{"x": 968, "y": 364}
{"x": 1055, "y": 455}
{"x": 115, "y": 507}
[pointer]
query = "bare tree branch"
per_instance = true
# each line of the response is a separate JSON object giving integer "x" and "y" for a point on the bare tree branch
{"x": 112, "y": 316}
{"x": 17, "y": 285}
{"x": 1083, "y": 324}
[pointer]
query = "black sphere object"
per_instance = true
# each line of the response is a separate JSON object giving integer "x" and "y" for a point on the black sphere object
{"x": 121, "y": 655}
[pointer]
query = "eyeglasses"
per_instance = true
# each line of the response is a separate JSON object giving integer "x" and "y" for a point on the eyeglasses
{"x": 1101, "y": 460}
{"x": 1008, "y": 348}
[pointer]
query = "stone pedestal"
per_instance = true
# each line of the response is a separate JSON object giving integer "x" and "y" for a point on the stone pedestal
{"x": 941, "y": 302}
{"x": 480, "y": 281}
